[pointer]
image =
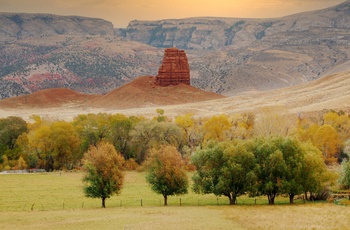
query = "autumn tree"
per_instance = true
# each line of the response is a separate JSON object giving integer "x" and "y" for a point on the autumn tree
{"x": 56, "y": 144}
{"x": 103, "y": 172}
{"x": 327, "y": 140}
{"x": 224, "y": 169}
{"x": 193, "y": 133}
{"x": 273, "y": 121}
{"x": 242, "y": 126}
{"x": 166, "y": 175}
{"x": 216, "y": 128}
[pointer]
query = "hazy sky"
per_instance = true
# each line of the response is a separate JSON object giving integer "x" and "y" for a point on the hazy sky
{"x": 120, "y": 12}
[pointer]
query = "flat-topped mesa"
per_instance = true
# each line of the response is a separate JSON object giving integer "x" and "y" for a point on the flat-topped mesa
{"x": 174, "y": 69}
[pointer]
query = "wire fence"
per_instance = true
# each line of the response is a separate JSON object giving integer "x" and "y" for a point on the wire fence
{"x": 173, "y": 201}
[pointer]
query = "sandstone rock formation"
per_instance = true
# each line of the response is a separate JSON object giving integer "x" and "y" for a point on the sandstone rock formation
{"x": 174, "y": 69}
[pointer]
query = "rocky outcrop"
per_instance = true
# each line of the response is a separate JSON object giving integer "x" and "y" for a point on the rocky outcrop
{"x": 174, "y": 69}
{"x": 19, "y": 26}
{"x": 214, "y": 33}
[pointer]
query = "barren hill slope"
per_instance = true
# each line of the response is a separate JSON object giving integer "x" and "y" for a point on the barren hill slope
{"x": 144, "y": 92}
{"x": 48, "y": 98}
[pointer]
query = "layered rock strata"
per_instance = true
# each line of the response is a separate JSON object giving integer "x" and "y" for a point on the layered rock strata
{"x": 174, "y": 69}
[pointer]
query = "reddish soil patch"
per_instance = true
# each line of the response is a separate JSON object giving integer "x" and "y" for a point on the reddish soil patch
{"x": 48, "y": 98}
{"x": 144, "y": 92}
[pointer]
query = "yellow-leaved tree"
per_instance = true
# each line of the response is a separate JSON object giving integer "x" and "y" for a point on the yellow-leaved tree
{"x": 327, "y": 140}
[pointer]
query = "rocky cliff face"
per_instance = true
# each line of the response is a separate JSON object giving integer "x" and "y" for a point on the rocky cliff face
{"x": 214, "y": 33}
{"x": 174, "y": 69}
{"x": 20, "y": 26}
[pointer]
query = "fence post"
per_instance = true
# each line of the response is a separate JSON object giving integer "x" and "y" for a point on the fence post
{"x": 255, "y": 201}
{"x": 141, "y": 202}
{"x": 217, "y": 200}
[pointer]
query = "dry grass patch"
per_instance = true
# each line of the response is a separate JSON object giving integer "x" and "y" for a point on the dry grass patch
{"x": 309, "y": 216}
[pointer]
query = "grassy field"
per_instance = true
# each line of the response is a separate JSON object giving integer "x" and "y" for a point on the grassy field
{"x": 56, "y": 201}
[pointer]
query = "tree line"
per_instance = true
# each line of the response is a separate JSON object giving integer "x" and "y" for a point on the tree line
{"x": 272, "y": 152}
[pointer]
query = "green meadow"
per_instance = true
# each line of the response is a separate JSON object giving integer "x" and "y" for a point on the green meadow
{"x": 56, "y": 201}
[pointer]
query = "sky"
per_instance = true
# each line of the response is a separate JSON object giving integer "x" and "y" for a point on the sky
{"x": 121, "y": 12}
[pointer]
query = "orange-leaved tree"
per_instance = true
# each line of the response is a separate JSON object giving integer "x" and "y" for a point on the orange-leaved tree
{"x": 103, "y": 172}
{"x": 166, "y": 174}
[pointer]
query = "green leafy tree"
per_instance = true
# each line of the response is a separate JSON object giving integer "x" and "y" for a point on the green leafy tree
{"x": 344, "y": 179}
{"x": 315, "y": 175}
{"x": 103, "y": 172}
{"x": 166, "y": 175}
{"x": 224, "y": 169}
{"x": 152, "y": 134}
{"x": 293, "y": 156}
{"x": 10, "y": 129}
{"x": 92, "y": 128}
{"x": 270, "y": 169}
{"x": 119, "y": 134}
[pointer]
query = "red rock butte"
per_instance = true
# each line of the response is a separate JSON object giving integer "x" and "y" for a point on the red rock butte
{"x": 174, "y": 69}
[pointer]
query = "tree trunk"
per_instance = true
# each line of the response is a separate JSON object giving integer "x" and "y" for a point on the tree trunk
{"x": 103, "y": 202}
{"x": 165, "y": 200}
{"x": 232, "y": 200}
{"x": 291, "y": 198}
{"x": 306, "y": 198}
{"x": 271, "y": 198}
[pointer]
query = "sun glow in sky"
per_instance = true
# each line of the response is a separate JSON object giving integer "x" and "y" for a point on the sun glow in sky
{"x": 121, "y": 12}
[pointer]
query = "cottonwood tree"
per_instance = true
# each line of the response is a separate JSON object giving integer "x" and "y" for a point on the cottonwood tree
{"x": 56, "y": 144}
{"x": 103, "y": 172}
{"x": 224, "y": 169}
{"x": 193, "y": 133}
{"x": 344, "y": 179}
{"x": 315, "y": 175}
{"x": 216, "y": 128}
{"x": 166, "y": 174}
{"x": 10, "y": 129}
{"x": 270, "y": 168}
{"x": 120, "y": 127}
{"x": 294, "y": 158}
{"x": 273, "y": 121}
{"x": 92, "y": 128}
{"x": 152, "y": 134}
{"x": 327, "y": 140}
